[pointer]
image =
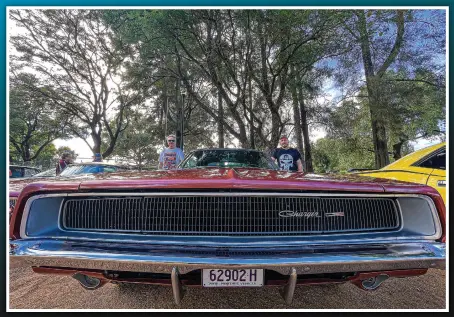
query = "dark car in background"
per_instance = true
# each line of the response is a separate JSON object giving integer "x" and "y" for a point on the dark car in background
{"x": 17, "y": 171}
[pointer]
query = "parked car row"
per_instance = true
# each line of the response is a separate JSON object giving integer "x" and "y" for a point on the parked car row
{"x": 226, "y": 218}
{"x": 74, "y": 170}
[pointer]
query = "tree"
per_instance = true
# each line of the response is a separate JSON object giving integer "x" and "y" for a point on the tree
{"x": 414, "y": 109}
{"x": 34, "y": 121}
{"x": 384, "y": 41}
{"x": 66, "y": 149}
{"x": 140, "y": 142}
{"x": 374, "y": 74}
{"x": 75, "y": 57}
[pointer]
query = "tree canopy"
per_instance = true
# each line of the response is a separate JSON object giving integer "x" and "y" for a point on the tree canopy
{"x": 127, "y": 78}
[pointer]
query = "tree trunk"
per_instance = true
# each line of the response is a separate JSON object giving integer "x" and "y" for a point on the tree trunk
{"x": 308, "y": 167}
{"x": 397, "y": 147}
{"x": 275, "y": 128}
{"x": 397, "y": 150}
{"x": 178, "y": 123}
{"x": 220, "y": 122}
{"x": 251, "y": 106}
{"x": 96, "y": 137}
{"x": 378, "y": 125}
{"x": 373, "y": 83}
{"x": 296, "y": 114}
{"x": 307, "y": 155}
{"x": 27, "y": 154}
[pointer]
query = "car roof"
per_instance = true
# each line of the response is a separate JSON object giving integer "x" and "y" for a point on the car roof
{"x": 98, "y": 163}
{"x": 23, "y": 166}
{"x": 414, "y": 157}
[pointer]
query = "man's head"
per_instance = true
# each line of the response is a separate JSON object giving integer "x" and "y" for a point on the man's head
{"x": 171, "y": 141}
{"x": 283, "y": 141}
{"x": 66, "y": 157}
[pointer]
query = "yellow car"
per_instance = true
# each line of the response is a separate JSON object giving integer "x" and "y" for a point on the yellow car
{"x": 426, "y": 166}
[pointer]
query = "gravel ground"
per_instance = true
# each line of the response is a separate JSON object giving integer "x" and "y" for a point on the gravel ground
{"x": 31, "y": 290}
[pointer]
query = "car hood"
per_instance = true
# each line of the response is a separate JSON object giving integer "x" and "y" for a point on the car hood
{"x": 216, "y": 178}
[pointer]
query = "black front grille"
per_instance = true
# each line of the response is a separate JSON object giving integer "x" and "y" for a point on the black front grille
{"x": 230, "y": 215}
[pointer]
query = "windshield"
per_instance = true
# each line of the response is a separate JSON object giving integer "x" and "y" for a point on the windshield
{"x": 227, "y": 158}
{"x": 88, "y": 169}
{"x": 48, "y": 173}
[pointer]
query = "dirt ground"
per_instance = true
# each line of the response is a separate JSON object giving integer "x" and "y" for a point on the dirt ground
{"x": 30, "y": 290}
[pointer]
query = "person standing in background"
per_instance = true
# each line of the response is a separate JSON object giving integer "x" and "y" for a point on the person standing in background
{"x": 63, "y": 163}
{"x": 288, "y": 159}
{"x": 171, "y": 156}
{"x": 97, "y": 157}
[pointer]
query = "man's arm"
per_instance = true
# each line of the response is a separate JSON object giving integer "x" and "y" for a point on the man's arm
{"x": 300, "y": 165}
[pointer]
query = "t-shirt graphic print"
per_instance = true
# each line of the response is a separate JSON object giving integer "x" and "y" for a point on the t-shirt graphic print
{"x": 170, "y": 158}
{"x": 286, "y": 162}
{"x": 287, "y": 158}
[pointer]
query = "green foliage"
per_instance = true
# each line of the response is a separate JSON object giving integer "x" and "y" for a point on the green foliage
{"x": 413, "y": 108}
{"x": 66, "y": 149}
{"x": 337, "y": 155}
{"x": 34, "y": 121}
{"x": 48, "y": 153}
{"x": 118, "y": 77}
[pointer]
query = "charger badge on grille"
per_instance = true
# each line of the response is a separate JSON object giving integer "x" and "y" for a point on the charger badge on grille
{"x": 302, "y": 214}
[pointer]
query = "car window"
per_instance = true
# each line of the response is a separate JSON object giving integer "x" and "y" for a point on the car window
{"x": 437, "y": 161}
{"x": 227, "y": 158}
{"x": 17, "y": 172}
{"x": 49, "y": 172}
{"x": 28, "y": 172}
{"x": 88, "y": 169}
{"x": 110, "y": 169}
{"x": 191, "y": 161}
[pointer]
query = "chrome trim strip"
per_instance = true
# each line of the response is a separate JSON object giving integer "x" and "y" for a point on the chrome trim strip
{"x": 437, "y": 235}
{"x": 56, "y": 254}
{"x": 240, "y": 194}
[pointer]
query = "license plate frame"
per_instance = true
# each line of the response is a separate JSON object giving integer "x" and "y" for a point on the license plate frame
{"x": 233, "y": 277}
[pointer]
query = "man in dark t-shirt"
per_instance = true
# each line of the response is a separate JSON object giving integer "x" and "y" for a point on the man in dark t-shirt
{"x": 288, "y": 159}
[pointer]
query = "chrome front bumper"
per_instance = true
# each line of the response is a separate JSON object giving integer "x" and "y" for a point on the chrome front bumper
{"x": 134, "y": 258}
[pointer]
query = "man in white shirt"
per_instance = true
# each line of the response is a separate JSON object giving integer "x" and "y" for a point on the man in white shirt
{"x": 171, "y": 156}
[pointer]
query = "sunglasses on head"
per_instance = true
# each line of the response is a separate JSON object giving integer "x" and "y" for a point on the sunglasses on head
{"x": 170, "y": 140}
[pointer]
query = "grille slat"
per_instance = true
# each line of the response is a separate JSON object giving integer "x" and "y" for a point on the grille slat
{"x": 231, "y": 215}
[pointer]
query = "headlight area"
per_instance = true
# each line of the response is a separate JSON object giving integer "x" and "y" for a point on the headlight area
{"x": 41, "y": 216}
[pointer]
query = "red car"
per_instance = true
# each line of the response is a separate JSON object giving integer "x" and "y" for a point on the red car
{"x": 228, "y": 218}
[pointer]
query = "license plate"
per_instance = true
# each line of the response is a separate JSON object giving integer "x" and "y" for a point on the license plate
{"x": 232, "y": 277}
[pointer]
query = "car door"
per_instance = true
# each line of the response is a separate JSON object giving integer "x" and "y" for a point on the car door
{"x": 437, "y": 178}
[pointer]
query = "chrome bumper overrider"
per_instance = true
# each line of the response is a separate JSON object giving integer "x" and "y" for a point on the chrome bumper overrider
{"x": 93, "y": 255}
